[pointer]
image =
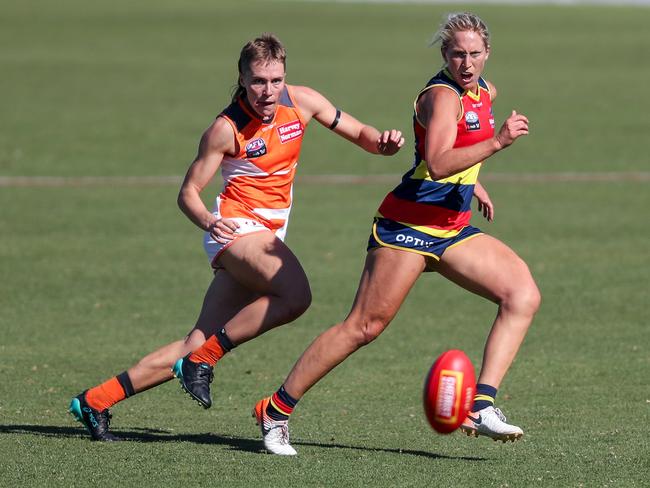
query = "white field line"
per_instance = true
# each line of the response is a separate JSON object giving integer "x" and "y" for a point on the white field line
{"x": 340, "y": 179}
{"x": 82, "y": 181}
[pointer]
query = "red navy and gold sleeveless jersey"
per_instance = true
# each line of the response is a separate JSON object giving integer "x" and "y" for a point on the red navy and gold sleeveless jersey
{"x": 258, "y": 180}
{"x": 441, "y": 208}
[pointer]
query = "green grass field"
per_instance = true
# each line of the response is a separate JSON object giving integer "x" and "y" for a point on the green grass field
{"x": 96, "y": 275}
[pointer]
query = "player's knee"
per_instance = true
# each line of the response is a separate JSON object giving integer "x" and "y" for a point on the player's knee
{"x": 530, "y": 299}
{"x": 297, "y": 302}
{"x": 367, "y": 330}
{"x": 523, "y": 299}
{"x": 535, "y": 299}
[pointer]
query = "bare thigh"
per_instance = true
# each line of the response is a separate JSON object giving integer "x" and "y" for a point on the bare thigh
{"x": 262, "y": 264}
{"x": 487, "y": 267}
{"x": 387, "y": 278}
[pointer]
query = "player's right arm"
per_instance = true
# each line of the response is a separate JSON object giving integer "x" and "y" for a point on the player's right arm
{"x": 313, "y": 104}
{"x": 216, "y": 141}
{"x": 438, "y": 111}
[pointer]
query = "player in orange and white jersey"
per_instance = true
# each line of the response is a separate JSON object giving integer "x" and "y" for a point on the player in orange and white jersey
{"x": 423, "y": 225}
{"x": 258, "y": 282}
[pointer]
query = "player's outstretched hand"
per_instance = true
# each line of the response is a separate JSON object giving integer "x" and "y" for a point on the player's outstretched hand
{"x": 515, "y": 126}
{"x": 389, "y": 142}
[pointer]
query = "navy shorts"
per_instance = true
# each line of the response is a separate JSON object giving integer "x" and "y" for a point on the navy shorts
{"x": 388, "y": 233}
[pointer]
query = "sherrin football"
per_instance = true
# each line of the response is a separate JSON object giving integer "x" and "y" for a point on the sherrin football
{"x": 449, "y": 391}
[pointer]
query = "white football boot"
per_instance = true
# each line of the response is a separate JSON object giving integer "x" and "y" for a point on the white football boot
{"x": 275, "y": 433}
{"x": 491, "y": 422}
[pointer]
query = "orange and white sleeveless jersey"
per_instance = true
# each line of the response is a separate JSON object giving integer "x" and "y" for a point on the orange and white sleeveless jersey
{"x": 258, "y": 180}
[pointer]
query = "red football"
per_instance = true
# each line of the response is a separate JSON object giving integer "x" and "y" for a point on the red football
{"x": 449, "y": 391}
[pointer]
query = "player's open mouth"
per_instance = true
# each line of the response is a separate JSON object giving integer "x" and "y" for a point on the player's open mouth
{"x": 466, "y": 77}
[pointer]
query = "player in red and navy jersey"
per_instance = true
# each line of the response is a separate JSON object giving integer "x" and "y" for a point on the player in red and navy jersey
{"x": 424, "y": 225}
{"x": 258, "y": 282}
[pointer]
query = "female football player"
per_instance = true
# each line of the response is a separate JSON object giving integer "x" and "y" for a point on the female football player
{"x": 424, "y": 225}
{"x": 258, "y": 282}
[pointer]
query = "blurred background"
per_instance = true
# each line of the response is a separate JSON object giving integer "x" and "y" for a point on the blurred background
{"x": 126, "y": 89}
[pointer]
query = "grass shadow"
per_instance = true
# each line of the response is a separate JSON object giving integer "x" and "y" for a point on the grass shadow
{"x": 230, "y": 442}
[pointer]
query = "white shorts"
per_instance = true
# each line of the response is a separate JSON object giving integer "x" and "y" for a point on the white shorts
{"x": 246, "y": 226}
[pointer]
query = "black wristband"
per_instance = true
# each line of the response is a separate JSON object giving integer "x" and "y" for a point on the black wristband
{"x": 336, "y": 120}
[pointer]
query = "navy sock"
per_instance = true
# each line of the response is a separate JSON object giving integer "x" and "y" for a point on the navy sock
{"x": 281, "y": 405}
{"x": 485, "y": 395}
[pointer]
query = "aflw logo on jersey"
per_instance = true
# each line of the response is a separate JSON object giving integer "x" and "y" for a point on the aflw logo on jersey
{"x": 472, "y": 121}
{"x": 256, "y": 148}
{"x": 290, "y": 131}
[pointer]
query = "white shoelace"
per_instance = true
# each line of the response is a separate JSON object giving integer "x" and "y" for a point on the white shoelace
{"x": 284, "y": 433}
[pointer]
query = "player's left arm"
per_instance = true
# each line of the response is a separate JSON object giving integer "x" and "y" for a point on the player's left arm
{"x": 314, "y": 105}
{"x": 485, "y": 205}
